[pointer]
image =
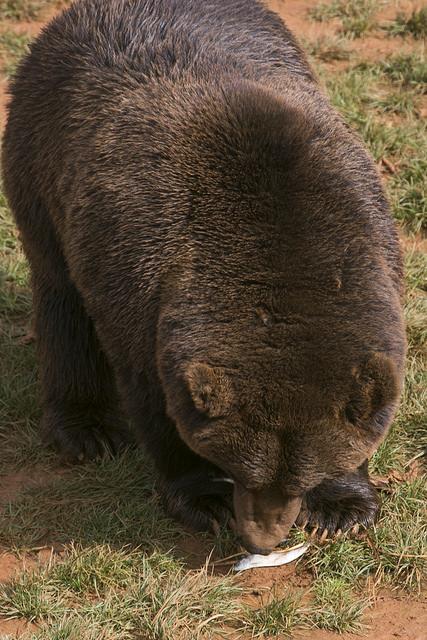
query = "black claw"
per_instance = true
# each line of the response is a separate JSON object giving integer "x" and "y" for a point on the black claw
{"x": 80, "y": 438}
{"x": 341, "y": 504}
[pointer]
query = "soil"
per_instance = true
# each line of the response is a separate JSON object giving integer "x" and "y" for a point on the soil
{"x": 16, "y": 628}
{"x": 392, "y": 617}
{"x": 13, "y": 483}
{"x": 10, "y": 566}
{"x": 389, "y": 619}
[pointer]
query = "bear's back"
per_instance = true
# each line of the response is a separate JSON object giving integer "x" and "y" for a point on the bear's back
{"x": 148, "y": 39}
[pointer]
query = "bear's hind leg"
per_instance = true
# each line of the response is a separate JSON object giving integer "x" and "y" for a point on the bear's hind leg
{"x": 341, "y": 504}
{"x": 81, "y": 416}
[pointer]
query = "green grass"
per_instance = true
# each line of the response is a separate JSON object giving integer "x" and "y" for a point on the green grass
{"x": 409, "y": 192}
{"x": 336, "y": 607}
{"x": 407, "y": 70}
{"x": 347, "y": 559}
{"x": 414, "y": 25}
{"x": 393, "y": 553}
{"x": 278, "y": 617}
{"x": 112, "y": 501}
{"x": 26, "y": 10}
{"x": 105, "y": 593}
{"x": 327, "y": 48}
{"x": 416, "y": 300}
{"x": 28, "y": 598}
{"x": 12, "y": 47}
{"x": 22, "y": 9}
{"x": 331, "y": 604}
{"x": 14, "y": 290}
{"x": 19, "y": 442}
{"x": 357, "y": 16}
{"x": 363, "y": 94}
{"x": 401, "y": 541}
{"x": 95, "y": 570}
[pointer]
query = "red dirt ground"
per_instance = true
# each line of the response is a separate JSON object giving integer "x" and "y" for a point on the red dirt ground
{"x": 390, "y": 619}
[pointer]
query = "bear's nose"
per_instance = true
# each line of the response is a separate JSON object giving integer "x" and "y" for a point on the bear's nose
{"x": 253, "y": 548}
{"x": 263, "y": 517}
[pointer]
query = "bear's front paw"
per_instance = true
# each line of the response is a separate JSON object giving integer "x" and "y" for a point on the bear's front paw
{"x": 78, "y": 437}
{"x": 340, "y": 504}
{"x": 198, "y": 501}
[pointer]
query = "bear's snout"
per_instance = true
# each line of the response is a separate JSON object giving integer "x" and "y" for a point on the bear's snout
{"x": 263, "y": 517}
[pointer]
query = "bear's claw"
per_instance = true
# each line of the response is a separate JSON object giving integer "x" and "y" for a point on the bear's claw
{"x": 80, "y": 438}
{"x": 340, "y": 505}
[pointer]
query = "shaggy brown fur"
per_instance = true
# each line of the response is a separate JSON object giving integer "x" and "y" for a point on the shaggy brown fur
{"x": 211, "y": 244}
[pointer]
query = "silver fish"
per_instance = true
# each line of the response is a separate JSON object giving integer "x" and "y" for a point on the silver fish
{"x": 274, "y": 559}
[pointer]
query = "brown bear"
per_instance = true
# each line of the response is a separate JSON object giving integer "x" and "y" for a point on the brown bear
{"x": 212, "y": 258}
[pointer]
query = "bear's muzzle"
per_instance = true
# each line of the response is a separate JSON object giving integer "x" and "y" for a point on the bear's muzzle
{"x": 263, "y": 517}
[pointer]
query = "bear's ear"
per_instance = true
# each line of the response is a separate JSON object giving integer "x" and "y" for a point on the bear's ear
{"x": 210, "y": 388}
{"x": 375, "y": 385}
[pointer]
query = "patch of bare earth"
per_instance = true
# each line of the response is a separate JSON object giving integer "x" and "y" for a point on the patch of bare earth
{"x": 15, "y": 628}
{"x": 12, "y": 484}
{"x": 10, "y": 567}
{"x": 390, "y": 619}
{"x": 373, "y": 45}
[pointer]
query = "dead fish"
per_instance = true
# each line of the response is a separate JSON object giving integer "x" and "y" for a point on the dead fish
{"x": 274, "y": 559}
{"x": 229, "y": 480}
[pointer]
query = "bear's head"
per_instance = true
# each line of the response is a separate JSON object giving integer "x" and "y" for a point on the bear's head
{"x": 277, "y": 441}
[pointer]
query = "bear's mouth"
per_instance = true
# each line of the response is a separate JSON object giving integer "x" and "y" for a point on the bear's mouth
{"x": 263, "y": 517}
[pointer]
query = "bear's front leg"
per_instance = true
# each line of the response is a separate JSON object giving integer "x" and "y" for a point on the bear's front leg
{"x": 201, "y": 500}
{"x": 340, "y": 504}
{"x": 192, "y": 490}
